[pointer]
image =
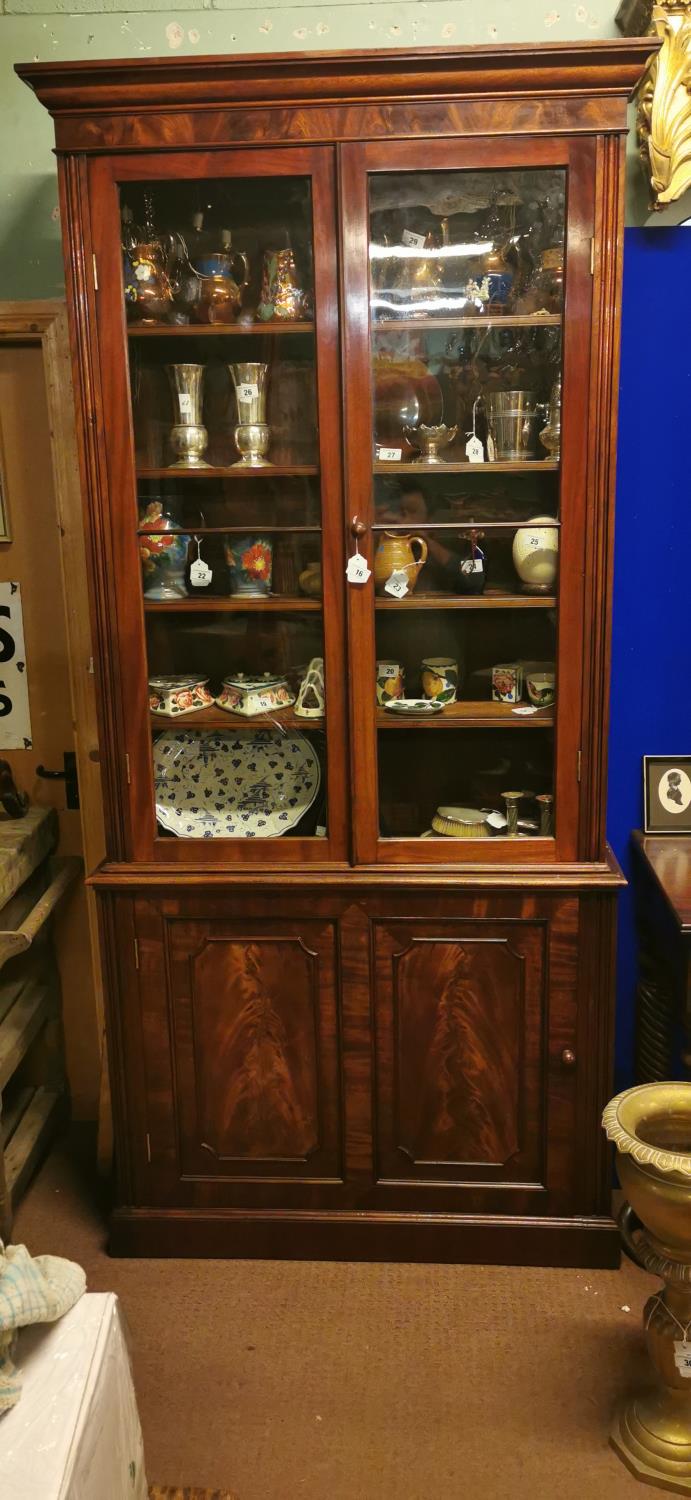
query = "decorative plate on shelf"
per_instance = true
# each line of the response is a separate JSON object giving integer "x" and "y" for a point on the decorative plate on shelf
{"x": 422, "y": 707}
{"x": 248, "y": 784}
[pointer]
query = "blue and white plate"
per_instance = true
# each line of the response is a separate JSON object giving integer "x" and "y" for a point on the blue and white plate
{"x": 248, "y": 784}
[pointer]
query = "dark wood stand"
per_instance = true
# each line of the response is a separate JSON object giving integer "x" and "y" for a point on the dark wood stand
{"x": 441, "y": 1015}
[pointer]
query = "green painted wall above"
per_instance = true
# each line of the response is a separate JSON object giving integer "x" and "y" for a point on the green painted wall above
{"x": 30, "y": 258}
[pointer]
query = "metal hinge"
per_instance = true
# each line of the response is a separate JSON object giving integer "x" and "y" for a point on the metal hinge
{"x": 592, "y": 256}
{"x": 93, "y": 261}
{"x": 148, "y": 1148}
{"x": 136, "y": 953}
{"x": 127, "y": 769}
{"x": 579, "y": 763}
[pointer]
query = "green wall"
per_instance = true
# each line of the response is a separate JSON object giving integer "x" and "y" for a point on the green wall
{"x": 30, "y": 262}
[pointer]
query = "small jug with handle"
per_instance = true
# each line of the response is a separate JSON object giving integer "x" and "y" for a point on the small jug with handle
{"x": 220, "y": 280}
{"x": 395, "y": 555}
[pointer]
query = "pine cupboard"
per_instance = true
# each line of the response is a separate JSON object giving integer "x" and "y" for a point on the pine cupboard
{"x": 345, "y": 341}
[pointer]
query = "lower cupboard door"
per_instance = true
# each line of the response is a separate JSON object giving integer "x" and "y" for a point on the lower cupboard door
{"x": 242, "y": 1059}
{"x": 474, "y": 1112}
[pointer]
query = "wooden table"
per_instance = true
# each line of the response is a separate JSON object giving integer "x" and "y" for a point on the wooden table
{"x": 662, "y": 883}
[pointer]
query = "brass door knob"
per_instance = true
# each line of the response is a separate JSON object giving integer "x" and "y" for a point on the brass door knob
{"x": 358, "y": 527}
{"x": 568, "y": 1058}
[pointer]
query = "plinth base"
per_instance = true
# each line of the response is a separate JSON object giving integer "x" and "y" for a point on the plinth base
{"x": 652, "y": 1435}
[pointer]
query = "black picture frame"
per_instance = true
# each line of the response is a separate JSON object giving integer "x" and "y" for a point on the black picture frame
{"x": 667, "y": 793}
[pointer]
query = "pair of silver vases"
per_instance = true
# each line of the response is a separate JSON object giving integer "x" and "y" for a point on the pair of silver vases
{"x": 189, "y": 437}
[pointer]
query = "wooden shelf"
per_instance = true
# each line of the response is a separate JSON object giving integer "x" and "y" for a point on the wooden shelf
{"x": 526, "y": 466}
{"x": 219, "y": 718}
{"x": 489, "y": 320}
{"x": 461, "y": 526}
{"x": 42, "y": 1109}
{"x": 272, "y": 471}
{"x": 491, "y": 599}
{"x": 484, "y": 715}
{"x": 233, "y": 605}
{"x": 215, "y": 330}
{"x": 228, "y": 530}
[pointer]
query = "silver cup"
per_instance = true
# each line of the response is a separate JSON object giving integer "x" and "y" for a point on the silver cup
{"x": 188, "y": 437}
{"x": 513, "y": 420}
{"x": 252, "y": 435}
{"x": 431, "y": 441}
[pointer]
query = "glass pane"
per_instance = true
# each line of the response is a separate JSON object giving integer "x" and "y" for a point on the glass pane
{"x": 466, "y": 294}
{"x": 218, "y": 285}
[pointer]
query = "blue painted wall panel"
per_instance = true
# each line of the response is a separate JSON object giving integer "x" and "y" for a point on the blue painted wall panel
{"x": 651, "y": 648}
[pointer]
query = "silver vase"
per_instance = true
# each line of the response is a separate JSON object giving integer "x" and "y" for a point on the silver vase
{"x": 188, "y": 437}
{"x": 252, "y": 435}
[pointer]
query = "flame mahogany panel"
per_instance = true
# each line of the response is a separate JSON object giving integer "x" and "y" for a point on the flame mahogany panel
{"x": 254, "y": 1086}
{"x": 460, "y": 1029}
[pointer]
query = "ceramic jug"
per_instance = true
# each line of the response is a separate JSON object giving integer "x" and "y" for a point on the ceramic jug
{"x": 148, "y": 259}
{"x": 218, "y": 296}
{"x": 281, "y": 295}
{"x": 395, "y": 555}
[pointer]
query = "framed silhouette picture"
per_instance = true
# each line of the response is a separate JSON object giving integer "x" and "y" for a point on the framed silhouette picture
{"x": 667, "y": 793}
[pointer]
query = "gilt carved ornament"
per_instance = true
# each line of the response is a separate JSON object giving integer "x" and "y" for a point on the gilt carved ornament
{"x": 663, "y": 104}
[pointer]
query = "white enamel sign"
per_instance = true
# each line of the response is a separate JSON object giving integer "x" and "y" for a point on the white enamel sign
{"x": 15, "y": 721}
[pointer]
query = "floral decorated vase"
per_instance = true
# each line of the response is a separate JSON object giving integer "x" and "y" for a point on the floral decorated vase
{"x": 163, "y": 551}
{"x": 249, "y": 560}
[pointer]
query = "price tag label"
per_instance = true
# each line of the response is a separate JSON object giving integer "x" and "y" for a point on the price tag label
{"x": 185, "y": 403}
{"x": 526, "y": 711}
{"x": 200, "y": 573}
{"x": 357, "y": 570}
{"x": 496, "y": 820}
{"x": 397, "y": 584}
{"x": 248, "y": 392}
{"x": 472, "y": 565}
{"x": 491, "y": 450}
{"x": 475, "y": 452}
{"x": 390, "y": 671}
{"x": 389, "y": 455}
{"x": 413, "y": 241}
{"x": 682, "y": 1358}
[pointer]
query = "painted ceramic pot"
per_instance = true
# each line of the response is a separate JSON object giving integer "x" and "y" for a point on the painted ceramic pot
{"x": 390, "y": 682}
{"x": 254, "y": 695}
{"x": 173, "y": 696}
{"x": 250, "y": 560}
{"x": 507, "y": 683}
{"x": 541, "y": 688}
{"x": 163, "y": 551}
{"x": 440, "y": 679}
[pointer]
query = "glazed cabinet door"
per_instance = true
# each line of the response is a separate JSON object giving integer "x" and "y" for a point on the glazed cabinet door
{"x": 221, "y": 557}
{"x": 468, "y": 275}
{"x": 475, "y": 1025}
{"x": 242, "y": 1053}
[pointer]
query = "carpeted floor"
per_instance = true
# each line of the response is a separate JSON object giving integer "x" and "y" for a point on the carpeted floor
{"x": 310, "y": 1381}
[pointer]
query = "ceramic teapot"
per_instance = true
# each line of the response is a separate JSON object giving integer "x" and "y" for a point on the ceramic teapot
{"x": 395, "y": 555}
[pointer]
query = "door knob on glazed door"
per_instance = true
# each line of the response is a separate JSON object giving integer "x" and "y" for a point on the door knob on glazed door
{"x": 568, "y": 1058}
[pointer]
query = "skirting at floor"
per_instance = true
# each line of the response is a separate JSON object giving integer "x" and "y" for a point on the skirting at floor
{"x": 311, "y": 1381}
